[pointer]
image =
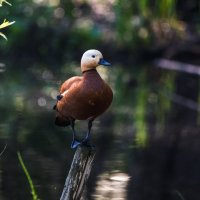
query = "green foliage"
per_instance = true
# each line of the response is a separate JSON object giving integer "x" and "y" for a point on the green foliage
{"x": 140, "y": 113}
{"x": 33, "y": 191}
{"x": 5, "y": 22}
{"x": 3, "y": 25}
{"x": 4, "y": 1}
{"x": 165, "y": 9}
{"x": 136, "y": 20}
{"x": 167, "y": 86}
{"x": 123, "y": 20}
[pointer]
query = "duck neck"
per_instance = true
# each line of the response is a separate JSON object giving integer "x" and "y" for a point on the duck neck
{"x": 91, "y": 74}
{"x": 90, "y": 70}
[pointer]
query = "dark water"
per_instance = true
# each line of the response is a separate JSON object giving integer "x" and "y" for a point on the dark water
{"x": 147, "y": 142}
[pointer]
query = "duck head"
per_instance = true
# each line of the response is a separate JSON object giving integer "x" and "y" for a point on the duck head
{"x": 91, "y": 59}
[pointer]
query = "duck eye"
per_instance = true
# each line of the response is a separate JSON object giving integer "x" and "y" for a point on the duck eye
{"x": 93, "y": 56}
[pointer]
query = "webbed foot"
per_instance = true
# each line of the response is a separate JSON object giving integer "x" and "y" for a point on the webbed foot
{"x": 75, "y": 143}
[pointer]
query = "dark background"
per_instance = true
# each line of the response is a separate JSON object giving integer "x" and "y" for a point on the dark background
{"x": 148, "y": 142}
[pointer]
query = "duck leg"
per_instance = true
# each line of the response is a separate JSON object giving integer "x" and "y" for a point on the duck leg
{"x": 75, "y": 141}
{"x": 86, "y": 141}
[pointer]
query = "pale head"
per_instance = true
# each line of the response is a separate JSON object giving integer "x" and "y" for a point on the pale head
{"x": 91, "y": 59}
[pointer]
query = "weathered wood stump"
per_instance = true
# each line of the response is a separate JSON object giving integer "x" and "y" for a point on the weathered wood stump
{"x": 78, "y": 173}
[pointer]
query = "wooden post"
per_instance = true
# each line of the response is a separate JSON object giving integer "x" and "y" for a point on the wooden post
{"x": 78, "y": 173}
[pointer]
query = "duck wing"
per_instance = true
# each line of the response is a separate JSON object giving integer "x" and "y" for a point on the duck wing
{"x": 65, "y": 87}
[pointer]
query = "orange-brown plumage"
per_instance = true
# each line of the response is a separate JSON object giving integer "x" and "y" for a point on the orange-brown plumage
{"x": 84, "y": 97}
{"x": 87, "y": 97}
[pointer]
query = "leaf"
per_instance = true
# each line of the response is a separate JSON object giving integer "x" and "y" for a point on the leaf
{"x": 3, "y": 150}
{"x": 32, "y": 187}
{"x": 4, "y": 1}
{"x": 1, "y": 34}
{"x": 6, "y": 23}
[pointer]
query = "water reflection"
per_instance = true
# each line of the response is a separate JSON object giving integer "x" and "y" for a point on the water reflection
{"x": 111, "y": 186}
{"x": 143, "y": 141}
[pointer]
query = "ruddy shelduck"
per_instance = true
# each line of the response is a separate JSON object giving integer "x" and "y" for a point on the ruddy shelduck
{"x": 83, "y": 97}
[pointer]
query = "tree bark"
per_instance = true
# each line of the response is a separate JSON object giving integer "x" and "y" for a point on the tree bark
{"x": 78, "y": 173}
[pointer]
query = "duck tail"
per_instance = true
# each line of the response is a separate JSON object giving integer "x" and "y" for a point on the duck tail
{"x": 60, "y": 120}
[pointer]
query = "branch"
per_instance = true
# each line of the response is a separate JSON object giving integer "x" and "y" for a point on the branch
{"x": 184, "y": 101}
{"x": 177, "y": 66}
{"x": 79, "y": 173}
